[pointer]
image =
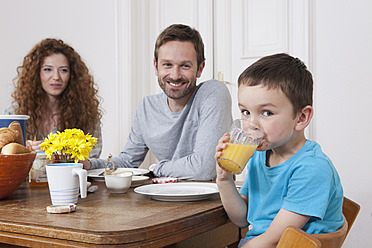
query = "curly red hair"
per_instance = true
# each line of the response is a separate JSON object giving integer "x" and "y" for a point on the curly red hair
{"x": 79, "y": 102}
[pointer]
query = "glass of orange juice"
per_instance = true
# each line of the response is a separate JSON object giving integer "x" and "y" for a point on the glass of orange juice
{"x": 244, "y": 139}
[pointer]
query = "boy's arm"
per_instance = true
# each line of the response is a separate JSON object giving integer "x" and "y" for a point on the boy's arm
{"x": 283, "y": 219}
{"x": 235, "y": 205}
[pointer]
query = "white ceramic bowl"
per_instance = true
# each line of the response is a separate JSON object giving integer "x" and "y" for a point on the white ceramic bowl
{"x": 119, "y": 183}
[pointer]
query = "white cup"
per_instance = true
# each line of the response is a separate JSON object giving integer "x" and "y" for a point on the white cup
{"x": 119, "y": 182}
{"x": 65, "y": 180}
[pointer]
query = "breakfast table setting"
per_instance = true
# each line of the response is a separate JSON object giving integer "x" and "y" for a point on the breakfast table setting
{"x": 48, "y": 200}
{"x": 127, "y": 219}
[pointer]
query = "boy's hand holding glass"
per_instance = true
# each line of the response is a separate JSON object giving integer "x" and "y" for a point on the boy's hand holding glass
{"x": 222, "y": 144}
{"x": 244, "y": 139}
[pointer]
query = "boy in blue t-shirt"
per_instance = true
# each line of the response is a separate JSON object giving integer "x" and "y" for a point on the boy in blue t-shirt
{"x": 289, "y": 181}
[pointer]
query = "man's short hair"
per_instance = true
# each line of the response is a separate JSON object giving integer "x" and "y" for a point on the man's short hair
{"x": 180, "y": 32}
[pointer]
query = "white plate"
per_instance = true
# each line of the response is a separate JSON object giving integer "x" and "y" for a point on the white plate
{"x": 138, "y": 180}
{"x": 94, "y": 174}
{"x": 188, "y": 191}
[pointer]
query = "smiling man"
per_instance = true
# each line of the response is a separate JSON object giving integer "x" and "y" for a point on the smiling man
{"x": 182, "y": 125}
{"x": 177, "y": 70}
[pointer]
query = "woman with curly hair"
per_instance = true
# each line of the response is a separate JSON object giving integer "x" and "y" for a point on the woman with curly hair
{"x": 54, "y": 87}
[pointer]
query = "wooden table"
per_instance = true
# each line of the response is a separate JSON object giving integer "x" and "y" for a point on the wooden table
{"x": 114, "y": 220}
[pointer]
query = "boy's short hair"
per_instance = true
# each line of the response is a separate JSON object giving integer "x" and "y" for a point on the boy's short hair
{"x": 285, "y": 72}
{"x": 180, "y": 32}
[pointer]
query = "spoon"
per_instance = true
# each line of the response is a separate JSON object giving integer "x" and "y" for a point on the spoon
{"x": 120, "y": 172}
{"x": 92, "y": 188}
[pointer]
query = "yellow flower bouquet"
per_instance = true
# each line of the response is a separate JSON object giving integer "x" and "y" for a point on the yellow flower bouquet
{"x": 69, "y": 144}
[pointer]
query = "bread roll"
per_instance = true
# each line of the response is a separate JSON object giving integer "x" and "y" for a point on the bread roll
{"x": 16, "y": 127}
{"x": 7, "y": 136}
{"x": 14, "y": 148}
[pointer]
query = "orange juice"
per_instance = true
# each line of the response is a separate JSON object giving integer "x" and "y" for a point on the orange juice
{"x": 235, "y": 157}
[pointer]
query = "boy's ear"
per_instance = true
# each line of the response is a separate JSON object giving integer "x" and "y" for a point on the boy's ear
{"x": 304, "y": 118}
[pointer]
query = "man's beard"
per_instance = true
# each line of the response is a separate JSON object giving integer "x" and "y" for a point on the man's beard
{"x": 177, "y": 93}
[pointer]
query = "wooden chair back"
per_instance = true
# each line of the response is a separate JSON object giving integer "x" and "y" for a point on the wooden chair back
{"x": 333, "y": 239}
{"x": 294, "y": 237}
{"x": 350, "y": 209}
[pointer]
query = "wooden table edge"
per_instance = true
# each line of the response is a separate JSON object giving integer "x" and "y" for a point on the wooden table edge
{"x": 190, "y": 227}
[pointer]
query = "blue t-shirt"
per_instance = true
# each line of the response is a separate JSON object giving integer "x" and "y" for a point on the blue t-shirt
{"x": 306, "y": 184}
